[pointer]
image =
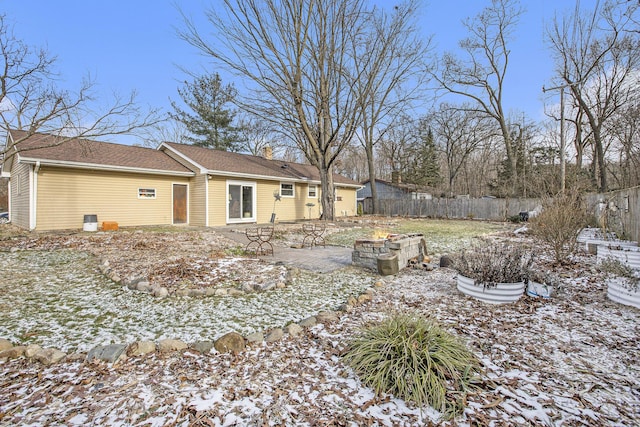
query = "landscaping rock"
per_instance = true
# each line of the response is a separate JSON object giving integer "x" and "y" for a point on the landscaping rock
{"x": 268, "y": 287}
{"x": 171, "y": 345}
{"x": 31, "y": 350}
{"x": 364, "y": 298}
{"x": 308, "y": 322}
{"x": 255, "y": 337}
{"x": 445, "y": 261}
{"x": 293, "y": 329}
{"x": 231, "y": 342}
{"x": 202, "y": 346}
{"x": 161, "y": 292}
{"x": 345, "y": 308}
{"x": 143, "y": 286}
{"x": 141, "y": 348}
{"x": 13, "y": 352}
{"x": 220, "y": 292}
{"x": 210, "y": 292}
{"x": 196, "y": 292}
{"x": 235, "y": 292}
{"x": 5, "y": 344}
{"x": 182, "y": 292}
{"x": 75, "y": 357}
{"x": 108, "y": 353}
{"x": 49, "y": 356}
{"x": 274, "y": 335}
{"x": 327, "y": 317}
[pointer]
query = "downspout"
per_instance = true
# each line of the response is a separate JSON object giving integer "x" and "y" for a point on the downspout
{"x": 9, "y": 199}
{"x": 206, "y": 200}
{"x": 34, "y": 196}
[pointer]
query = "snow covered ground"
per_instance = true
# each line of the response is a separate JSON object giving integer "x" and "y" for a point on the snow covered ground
{"x": 567, "y": 361}
{"x": 59, "y": 299}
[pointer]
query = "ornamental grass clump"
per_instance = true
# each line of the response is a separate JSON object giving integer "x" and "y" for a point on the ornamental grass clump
{"x": 494, "y": 263}
{"x": 414, "y": 359}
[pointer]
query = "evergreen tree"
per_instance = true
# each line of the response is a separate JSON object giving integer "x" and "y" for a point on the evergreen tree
{"x": 423, "y": 169}
{"x": 208, "y": 122}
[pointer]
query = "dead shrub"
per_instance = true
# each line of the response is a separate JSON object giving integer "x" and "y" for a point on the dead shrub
{"x": 559, "y": 223}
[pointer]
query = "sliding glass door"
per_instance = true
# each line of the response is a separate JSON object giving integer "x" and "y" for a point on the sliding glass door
{"x": 241, "y": 203}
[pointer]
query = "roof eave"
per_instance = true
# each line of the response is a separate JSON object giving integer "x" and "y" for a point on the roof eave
{"x": 111, "y": 168}
{"x": 254, "y": 176}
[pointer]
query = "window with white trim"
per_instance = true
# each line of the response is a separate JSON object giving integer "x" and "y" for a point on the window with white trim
{"x": 313, "y": 191}
{"x": 146, "y": 193}
{"x": 286, "y": 189}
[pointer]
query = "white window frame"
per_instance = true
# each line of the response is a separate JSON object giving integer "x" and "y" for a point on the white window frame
{"x": 315, "y": 191}
{"x": 143, "y": 195}
{"x": 254, "y": 201}
{"x": 293, "y": 189}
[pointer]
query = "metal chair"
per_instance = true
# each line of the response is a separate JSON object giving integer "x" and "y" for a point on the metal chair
{"x": 259, "y": 240}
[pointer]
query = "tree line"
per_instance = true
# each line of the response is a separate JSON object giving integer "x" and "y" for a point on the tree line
{"x": 335, "y": 83}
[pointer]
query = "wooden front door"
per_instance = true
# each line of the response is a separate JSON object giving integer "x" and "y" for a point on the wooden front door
{"x": 179, "y": 204}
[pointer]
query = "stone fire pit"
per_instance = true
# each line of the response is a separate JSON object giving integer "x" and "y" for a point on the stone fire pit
{"x": 406, "y": 247}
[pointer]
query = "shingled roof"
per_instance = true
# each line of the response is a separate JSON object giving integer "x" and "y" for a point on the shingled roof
{"x": 225, "y": 162}
{"x": 84, "y": 153}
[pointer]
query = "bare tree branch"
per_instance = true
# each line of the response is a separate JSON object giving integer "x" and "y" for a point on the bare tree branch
{"x": 31, "y": 101}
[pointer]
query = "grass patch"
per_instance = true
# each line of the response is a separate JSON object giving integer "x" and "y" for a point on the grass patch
{"x": 414, "y": 359}
{"x": 442, "y": 236}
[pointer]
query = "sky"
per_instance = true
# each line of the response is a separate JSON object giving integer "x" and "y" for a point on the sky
{"x": 133, "y": 45}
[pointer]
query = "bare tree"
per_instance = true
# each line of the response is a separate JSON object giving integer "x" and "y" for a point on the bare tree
{"x": 394, "y": 150}
{"x": 299, "y": 56}
{"x": 624, "y": 129}
{"x": 257, "y": 136}
{"x": 390, "y": 67}
{"x": 31, "y": 101}
{"x": 169, "y": 130}
{"x": 353, "y": 163}
{"x": 459, "y": 132}
{"x": 480, "y": 75}
{"x": 597, "y": 58}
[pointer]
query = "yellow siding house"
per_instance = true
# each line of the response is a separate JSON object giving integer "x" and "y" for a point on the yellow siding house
{"x": 54, "y": 183}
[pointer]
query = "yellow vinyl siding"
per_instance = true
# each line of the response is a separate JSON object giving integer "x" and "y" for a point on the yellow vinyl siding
{"x": 20, "y": 211}
{"x": 197, "y": 201}
{"x": 346, "y": 206}
{"x": 217, "y": 201}
{"x": 287, "y": 209}
{"x": 66, "y": 195}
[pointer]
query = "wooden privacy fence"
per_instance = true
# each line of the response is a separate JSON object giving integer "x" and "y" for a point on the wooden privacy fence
{"x": 484, "y": 208}
{"x": 620, "y": 208}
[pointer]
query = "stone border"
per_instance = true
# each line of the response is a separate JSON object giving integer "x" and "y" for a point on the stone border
{"x": 142, "y": 284}
{"x": 231, "y": 342}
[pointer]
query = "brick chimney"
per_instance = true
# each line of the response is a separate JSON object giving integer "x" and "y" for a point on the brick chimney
{"x": 267, "y": 152}
{"x": 395, "y": 177}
